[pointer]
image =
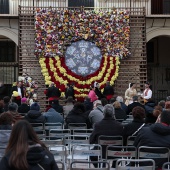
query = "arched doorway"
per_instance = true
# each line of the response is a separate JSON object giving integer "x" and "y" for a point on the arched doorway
{"x": 158, "y": 61}
{"x": 8, "y": 62}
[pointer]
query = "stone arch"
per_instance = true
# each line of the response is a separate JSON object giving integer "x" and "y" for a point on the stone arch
{"x": 10, "y": 34}
{"x": 157, "y": 32}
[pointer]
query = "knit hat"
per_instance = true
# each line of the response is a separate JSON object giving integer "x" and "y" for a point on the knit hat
{"x": 35, "y": 106}
{"x": 23, "y": 100}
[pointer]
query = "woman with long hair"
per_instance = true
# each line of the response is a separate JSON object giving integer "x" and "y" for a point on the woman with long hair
{"x": 25, "y": 151}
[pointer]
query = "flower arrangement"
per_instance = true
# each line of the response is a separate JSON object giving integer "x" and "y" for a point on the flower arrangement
{"x": 57, "y": 29}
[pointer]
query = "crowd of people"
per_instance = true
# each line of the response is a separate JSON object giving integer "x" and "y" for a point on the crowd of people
{"x": 101, "y": 111}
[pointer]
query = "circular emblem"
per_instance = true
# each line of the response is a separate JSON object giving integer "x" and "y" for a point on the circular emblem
{"x": 83, "y": 57}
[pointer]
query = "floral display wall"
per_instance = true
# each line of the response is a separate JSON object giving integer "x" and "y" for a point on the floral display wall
{"x": 81, "y": 47}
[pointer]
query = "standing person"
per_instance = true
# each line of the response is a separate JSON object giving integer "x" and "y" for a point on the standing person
{"x": 69, "y": 92}
{"x": 129, "y": 93}
{"x": 53, "y": 92}
{"x": 108, "y": 91}
{"x": 92, "y": 95}
{"x": 25, "y": 151}
{"x": 147, "y": 93}
{"x": 2, "y": 90}
{"x": 98, "y": 91}
{"x": 18, "y": 88}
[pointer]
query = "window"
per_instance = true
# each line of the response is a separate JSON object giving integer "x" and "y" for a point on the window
{"x": 7, "y": 51}
{"x": 4, "y": 6}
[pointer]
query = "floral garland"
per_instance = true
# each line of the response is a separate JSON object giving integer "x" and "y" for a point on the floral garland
{"x": 56, "y": 29}
{"x": 54, "y": 69}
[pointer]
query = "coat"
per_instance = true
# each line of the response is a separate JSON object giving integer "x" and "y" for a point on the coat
{"x": 24, "y": 108}
{"x": 53, "y": 117}
{"x": 53, "y": 92}
{"x": 76, "y": 116}
{"x": 156, "y": 135}
{"x": 35, "y": 116}
{"x": 37, "y": 157}
{"x": 107, "y": 126}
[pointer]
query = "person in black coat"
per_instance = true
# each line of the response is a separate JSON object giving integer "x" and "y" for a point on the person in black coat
{"x": 77, "y": 115}
{"x": 18, "y": 88}
{"x": 34, "y": 115}
{"x": 149, "y": 108}
{"x": 53, "y": 92}
{"x": 24, "y": 108}
{"x": 107, "y": 126}
{"x": 156, "y": 135}
{"x": 119, "y": 112}
{"x": 138, "y": 120}
{"x": 108, "y": 91}
{"x": 69, "y": 92}
{"x": 134, "y": 104}
{"x": 57, "y": 107}
{"x": 25, "y": 150}
{"x": 98, "y": 91}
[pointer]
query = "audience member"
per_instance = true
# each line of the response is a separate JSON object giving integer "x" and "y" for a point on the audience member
{"x": 149, "y": 108}
{"x": 107, "y": 126}
{"x": 1, "y": 106}
{"x": 68, "y": 106}
{"x": 119, "y": 112}
{"x": 162, "y": 104}
{"x": 5, "y": 130}
{"x": 123, "y": 106}
{"x": 138, "y": 121}
{"x": 104, "y": 101}
{"x": 156, "y": 135}
{"x": 134, "y": 104}
{"x": 88, "y": 104}
{"x": 25, "y": 151}
{"x": 24, "y": 108}
{"x": 77, "y": 115}
{"x": 156, "y": 112}
{"x": 96, "y": 114}
{"x": 34, "y": 115}
{"x": 13, "y": 110}
{"x": 56, "y": 106}
{"x": 167, "y": 105}
{"x": 6, "y": 100}
{"x": 51, "y": 116}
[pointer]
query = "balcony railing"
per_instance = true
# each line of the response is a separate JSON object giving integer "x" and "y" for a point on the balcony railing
{"x": 153, "y": 7}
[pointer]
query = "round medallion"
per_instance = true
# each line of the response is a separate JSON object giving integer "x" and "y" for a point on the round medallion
{"x": 83, "y": 57}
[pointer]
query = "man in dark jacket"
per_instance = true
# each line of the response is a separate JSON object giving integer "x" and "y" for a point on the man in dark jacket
{"x": 53, "y": 92}
{"x": 134, "y": 104}
{"x": 107, "y": 126}
{"x": 108, "y": 91}
{"x": 156, "y": 135}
